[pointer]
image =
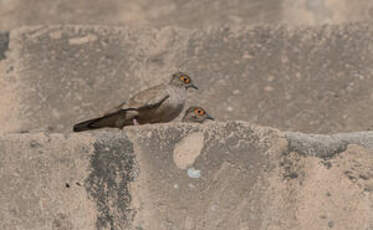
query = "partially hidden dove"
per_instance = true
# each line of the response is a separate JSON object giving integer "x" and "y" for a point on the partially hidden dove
{"x": 196, "y": 114}
{"x": 158, "y": 104}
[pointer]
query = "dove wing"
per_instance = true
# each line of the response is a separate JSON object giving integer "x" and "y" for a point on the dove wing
{"x": 149, "y": 98}
{"x": 146, "y": 99}
{"x": 116, "y": 108}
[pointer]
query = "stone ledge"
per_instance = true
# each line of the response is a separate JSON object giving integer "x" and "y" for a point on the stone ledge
{"x": 230, "y": 175}
{"x": 325, "y": 146}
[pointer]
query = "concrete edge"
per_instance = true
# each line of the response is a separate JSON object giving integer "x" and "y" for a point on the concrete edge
{"x": 326, "y": 146}
{"x": 318, "y": 145}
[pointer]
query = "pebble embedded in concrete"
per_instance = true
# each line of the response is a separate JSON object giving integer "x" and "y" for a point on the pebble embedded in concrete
{"x": 194, "y": 173}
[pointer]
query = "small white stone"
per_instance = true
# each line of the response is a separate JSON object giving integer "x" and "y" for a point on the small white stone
{"x": 194, "y": 173}
{"x": 229, "y": 108}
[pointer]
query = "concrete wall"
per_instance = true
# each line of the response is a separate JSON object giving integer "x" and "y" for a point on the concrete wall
{"x": 217, "y": 176}
{"x": 308, "y": 79}
{"x": 222, "y": 175}
{"x": 186, "y": 14}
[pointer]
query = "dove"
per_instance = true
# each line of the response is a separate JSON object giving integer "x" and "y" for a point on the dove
{"x": 158, "y": 104}
{"x": 196, "y": 114}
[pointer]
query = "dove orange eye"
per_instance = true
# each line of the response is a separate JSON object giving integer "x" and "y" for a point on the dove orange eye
{"x": 199, "y": 112}
{"x": 185, "y": 79}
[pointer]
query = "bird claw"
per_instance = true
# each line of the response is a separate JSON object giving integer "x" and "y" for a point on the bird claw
{"x": 135, "y": 121}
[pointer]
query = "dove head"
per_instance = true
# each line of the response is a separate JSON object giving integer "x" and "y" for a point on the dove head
{"x": 196, "y": 114}
{"x": 181, "y": 79}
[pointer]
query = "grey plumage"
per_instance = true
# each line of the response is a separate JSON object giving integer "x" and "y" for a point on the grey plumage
{"x": 196, "y": 114}
{"x": 158, "y": 104}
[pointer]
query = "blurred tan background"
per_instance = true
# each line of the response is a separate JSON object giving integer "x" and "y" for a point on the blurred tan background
{"x": 188, "y": 14}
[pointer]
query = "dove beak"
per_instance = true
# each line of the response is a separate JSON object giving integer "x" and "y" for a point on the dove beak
{"x": 210, "y": 117}
{"x": 192, "y": 86}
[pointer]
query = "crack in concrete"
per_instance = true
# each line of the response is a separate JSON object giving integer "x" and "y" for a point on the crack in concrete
{"x": 4, "y": 43}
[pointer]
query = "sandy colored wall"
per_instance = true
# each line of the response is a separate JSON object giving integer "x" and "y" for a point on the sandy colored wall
{"x": 222, "y": 175}
{"x": 308, "y": 79}
{"x": 186, "y": 14}
{"x": 217, "y": 176}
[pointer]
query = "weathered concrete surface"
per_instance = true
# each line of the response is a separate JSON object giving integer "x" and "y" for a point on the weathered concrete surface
{"x": 190, "y": 14}
{"x": 308, "y": 79}
{"x": 237, "y": 176}
{"x": 187, "y": 14}
{"x": 326, "y": 146}
{"x": 4, "y": 43}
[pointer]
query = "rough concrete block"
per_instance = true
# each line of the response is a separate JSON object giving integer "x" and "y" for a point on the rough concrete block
{"x": 40, "y": 175}
{"x": 309, "y": 79}
{"x": 180, "y": 176}
{"x": 326, "y": 146}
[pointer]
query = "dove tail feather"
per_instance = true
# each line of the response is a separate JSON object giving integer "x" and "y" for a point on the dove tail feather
{"x": 86, "y": 125}
{"x": 109, "y": 120}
